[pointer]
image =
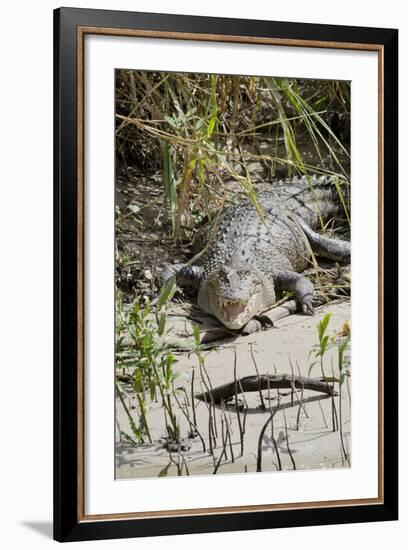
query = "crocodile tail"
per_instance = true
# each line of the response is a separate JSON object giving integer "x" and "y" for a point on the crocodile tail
{"x": 316, "y": 198}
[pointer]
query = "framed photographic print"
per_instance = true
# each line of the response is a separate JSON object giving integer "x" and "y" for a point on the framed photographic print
{"x": 225, "y": 274}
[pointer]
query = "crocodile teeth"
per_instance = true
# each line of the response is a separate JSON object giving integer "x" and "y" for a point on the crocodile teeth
{"x": 232, "y": 309}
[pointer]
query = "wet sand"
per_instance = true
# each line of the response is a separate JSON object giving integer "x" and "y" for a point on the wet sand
{"x": 301, "y": 436}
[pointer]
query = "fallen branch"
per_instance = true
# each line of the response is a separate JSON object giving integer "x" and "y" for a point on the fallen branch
{"x": 255, "y": 383}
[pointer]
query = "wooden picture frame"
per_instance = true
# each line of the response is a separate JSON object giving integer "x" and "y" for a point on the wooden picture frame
{"x": 71, "y": 26}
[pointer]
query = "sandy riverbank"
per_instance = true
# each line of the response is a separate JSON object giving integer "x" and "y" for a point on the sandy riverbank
{"x": 302, "y": 436}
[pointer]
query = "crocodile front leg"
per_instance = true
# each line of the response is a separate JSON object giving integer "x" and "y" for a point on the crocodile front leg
{"x": 186, "y": 275}
{"x": 300, "y": 285}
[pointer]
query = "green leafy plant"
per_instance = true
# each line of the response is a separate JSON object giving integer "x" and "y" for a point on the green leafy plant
{"x": 326, "y": 342}
{"x": 149, "y": 360}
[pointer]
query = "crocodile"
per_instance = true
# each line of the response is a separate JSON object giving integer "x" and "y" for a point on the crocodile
{"x": 251, "y": 251}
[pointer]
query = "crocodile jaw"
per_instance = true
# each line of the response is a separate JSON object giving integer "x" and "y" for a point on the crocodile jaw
{"x": 234, "y": 297}
{"x": 235, "y": 314}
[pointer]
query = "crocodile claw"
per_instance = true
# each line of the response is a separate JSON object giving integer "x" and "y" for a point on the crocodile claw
{"x": 304, "y": 293}
{"x": 258, "y": 322}
{"x": 306, "y": 305}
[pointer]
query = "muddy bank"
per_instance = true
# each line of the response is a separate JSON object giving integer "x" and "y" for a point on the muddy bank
{"x": 232, "y": 438}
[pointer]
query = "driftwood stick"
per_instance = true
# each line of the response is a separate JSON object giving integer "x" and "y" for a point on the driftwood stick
{"x": 261, "y": 381}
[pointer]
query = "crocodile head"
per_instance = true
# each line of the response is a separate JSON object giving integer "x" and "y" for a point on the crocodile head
{"x": 234, "y": 296}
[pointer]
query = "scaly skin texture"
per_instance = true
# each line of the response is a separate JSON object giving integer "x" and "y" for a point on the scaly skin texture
{"x": 246, "y": 259}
